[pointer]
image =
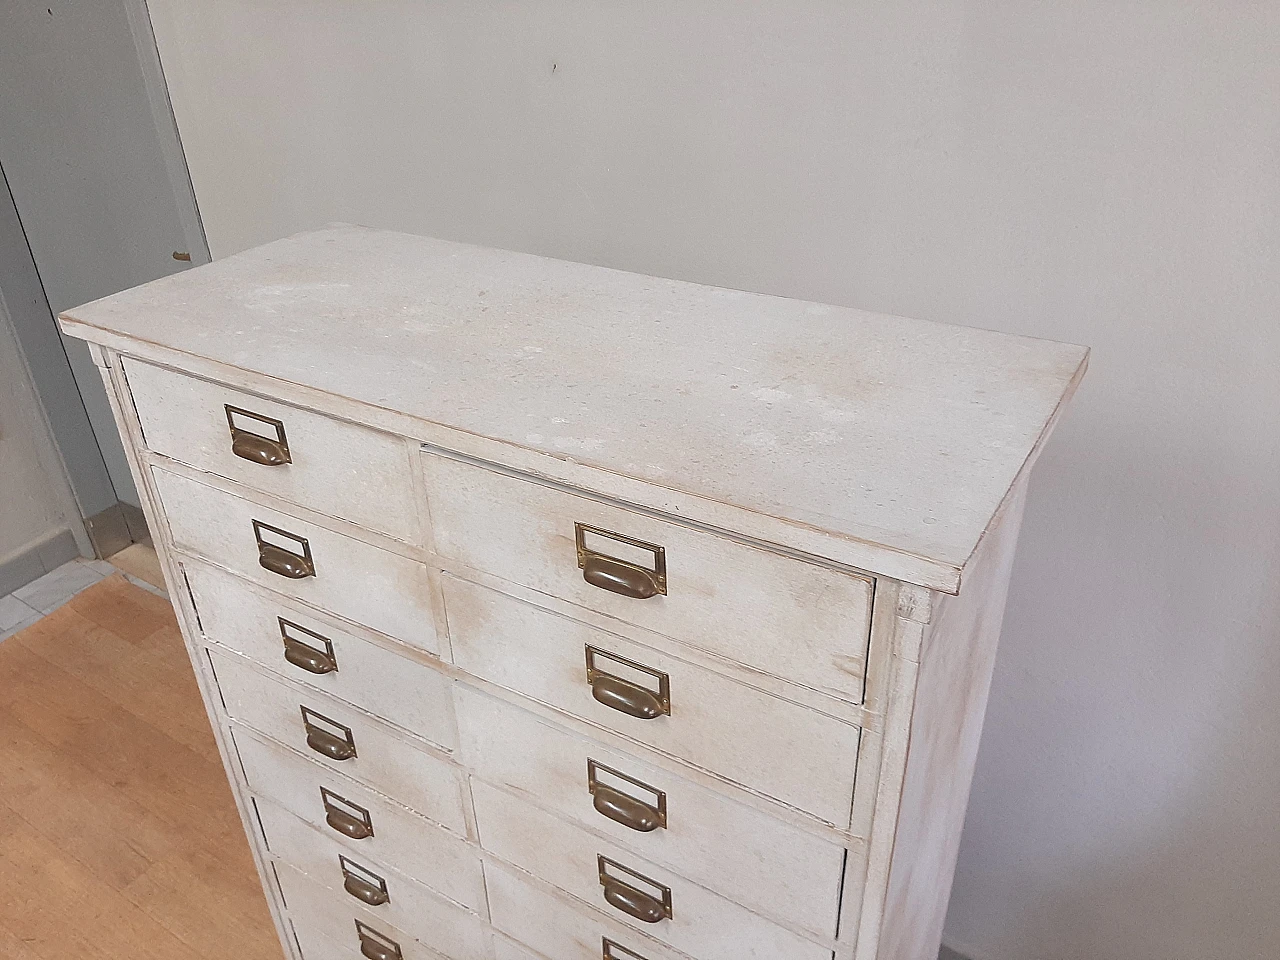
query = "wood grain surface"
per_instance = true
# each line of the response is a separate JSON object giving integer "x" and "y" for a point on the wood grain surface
{"x": 119, "y": 837}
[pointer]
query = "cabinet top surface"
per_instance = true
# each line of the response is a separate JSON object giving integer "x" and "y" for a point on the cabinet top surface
{"x": 903, "y": 434}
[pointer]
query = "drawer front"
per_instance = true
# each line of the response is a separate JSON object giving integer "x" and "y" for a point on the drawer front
{"x": 778, "y": 871}
{"x": 333, "y": 467}
{"x": 685, "y": 915}
{"x": 342, "y": 809}
{"x": 334, "y": 918}
{"x": 556, "y": 929}
{"x": 784, "y": 616}
{"x": 317, "y": 653}
{"x": 792, "y": 753}
{"x": 335, "y": 735}
{"x": 315, "y": 946}
{"x": 357, "y": 883}
{"x": 374, "y": 587}
{"x": 504, "y": 949}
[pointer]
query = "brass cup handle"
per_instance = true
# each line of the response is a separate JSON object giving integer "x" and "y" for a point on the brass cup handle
{"x": 373, "y": 950}
{"x": 626, "y": 697}
{"x": 263, "y": 450}
{"x": 365, "y": 891}
{"x": 626, "y": 810}
{"x": 284, "y": 563}
{"x": 308, "y": 658}
{"x": 347, "y": 825}
{"x": 329, "y": 744}
{"x": 618, "y": 576}
{"x": 633, "y": 902}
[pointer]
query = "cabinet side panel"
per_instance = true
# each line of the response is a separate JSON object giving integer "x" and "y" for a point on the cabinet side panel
{"x": 946, "y": 724}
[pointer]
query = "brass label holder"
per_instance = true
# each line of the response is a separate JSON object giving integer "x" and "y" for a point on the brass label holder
{"x": 623, "y": 575}
{"x": 631, "y": 687}
{"x": 307, "y": 649}
{"x": 613, "y": 951}
{"x": 362, "y": 883}
{"x": 349, "y": 819}
{"x": 375, "y": 945}
{"x": 282, "y": 552}
{"x": 257, "y": 438}
{"x": 615, "y": 796}
{"x": 327, "y": 737}
{"x": 633, "y": 893}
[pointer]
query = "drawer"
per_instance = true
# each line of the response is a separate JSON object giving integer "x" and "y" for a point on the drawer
{"x": 331, "y": 917}
{"x": 554, "y": 928}
{"x": 317, "y": 653}
{"x": 504, "y": 949}
{"x": 332, "y": 466}
{"x": 315, "y": 946}
{"x": 364, "y": 821}
{"x": 353, "y": 579}
{"x": 357, "y": 883}
{"x": 787, "y": 617}
{"x": 682, "y": 914}
{"x": 792, "y": 753}
{"x": 778, "y": 870}
{"x": 336, "y": 736}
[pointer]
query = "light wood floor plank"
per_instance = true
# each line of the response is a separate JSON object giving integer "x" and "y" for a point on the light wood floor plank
{"x": 119, "y": 838}
{"x": 58, "y": 797}
{"x": 120, "y": 641}
{"x": 162, "y": 775}
{"x": 59, "y": 899}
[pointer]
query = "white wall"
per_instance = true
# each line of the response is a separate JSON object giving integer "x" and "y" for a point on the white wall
{"x": 1097, "y": 171}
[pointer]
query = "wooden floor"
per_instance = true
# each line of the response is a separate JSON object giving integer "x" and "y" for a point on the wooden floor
{"x": 118, "y": 834}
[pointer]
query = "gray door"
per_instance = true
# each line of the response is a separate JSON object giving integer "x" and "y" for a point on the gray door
{"x": 93, "y": 162}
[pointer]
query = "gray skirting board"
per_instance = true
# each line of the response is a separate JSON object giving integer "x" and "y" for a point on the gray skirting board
{"x": 115, "y": 528}
{"x": 36, "y": 559}
{"x": 109, "y": 531}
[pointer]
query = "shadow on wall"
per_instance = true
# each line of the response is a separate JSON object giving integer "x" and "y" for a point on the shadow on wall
{"x": 1141, "y": 751}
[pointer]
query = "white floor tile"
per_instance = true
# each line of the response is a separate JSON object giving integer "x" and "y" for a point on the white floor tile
{"x": 14, "y": 614}
{"x": 57, "y": 587}
{"x": 6, "y": 634}
{"x": 104, "y": 567}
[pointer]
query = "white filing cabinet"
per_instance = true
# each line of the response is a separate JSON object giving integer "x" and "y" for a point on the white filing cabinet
{"x": 547, "y": 611}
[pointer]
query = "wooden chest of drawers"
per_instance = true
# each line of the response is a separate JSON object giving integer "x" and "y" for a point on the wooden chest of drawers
{"x": 547, "y": 611}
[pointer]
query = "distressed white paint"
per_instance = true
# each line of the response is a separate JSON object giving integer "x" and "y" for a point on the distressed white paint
{"x": 946, "y": 723}
{"x": 335, "y": 468}
{"x": 425, "y": 851}
{"x": 777, "y": 870}
{"x": 729, "y": 599}
{"x": 504, "y": 949}
{"x": 900, "y": 434}
{"x": 552, "y": 925}
{"x": 781, "y": 749}
{"x": 742, "y": 623}
{"x": 416, "y": 909}
{"x": 390, "y": 764}
{"x": 380, "y": 589}
{"x": 703, "y": 923}
{"x": 406, "y": 693}
{"x": 328, "y": 918}
{"x": 1091, "y": 171}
